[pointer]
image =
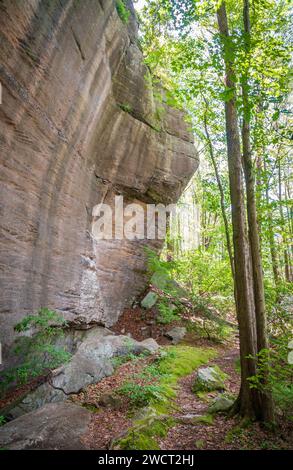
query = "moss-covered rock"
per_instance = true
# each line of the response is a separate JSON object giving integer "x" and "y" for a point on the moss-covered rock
{"x": 205, "y": 419}
{"x": 220, "y": 404}
{"x": 149, "y": 300}
{"x": 209, "y": 379}
{"x": 194, "y": 420}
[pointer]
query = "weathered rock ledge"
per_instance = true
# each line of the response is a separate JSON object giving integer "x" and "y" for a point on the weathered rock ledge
{"x": 79, "y": 125}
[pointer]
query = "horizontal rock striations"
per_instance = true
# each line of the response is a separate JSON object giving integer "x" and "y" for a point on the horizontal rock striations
{"x": 79, "y": 125}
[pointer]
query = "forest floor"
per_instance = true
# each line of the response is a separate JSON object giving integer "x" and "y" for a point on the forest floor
{"x": 126, "y": 413}
{"x": 188, "y": 424}
{"x": 221, "y": 432}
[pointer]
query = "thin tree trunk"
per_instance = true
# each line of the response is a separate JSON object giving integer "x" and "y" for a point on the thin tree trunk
{"x": 253, "y": 229}
{"x": 289, "y": 217}
{"x": 273, "y": 250}
{"x": 222, "y": 197}
{"x": 289, "y": 209}
{"x": 248, "y": 400}
{"x": 169, "y": 240}
{"x": 285, "y": 241}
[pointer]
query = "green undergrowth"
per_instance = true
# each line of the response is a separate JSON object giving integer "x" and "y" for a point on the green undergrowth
{"x": 117, "y": 361}
{"x": 145, "y": 432}
{"x": 246, "y": 436}
{"x": 207, "y": 314}
{"x": 235, "y": 432}
{"x": 36, "y": 349}
{"x": 91, "y": 408}
{"x": 173, "y": 363}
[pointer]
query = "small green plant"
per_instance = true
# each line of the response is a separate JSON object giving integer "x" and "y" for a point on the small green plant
{"x": 166, "y": 313}
{"x": 119, "y": 360}
{"x": 127, "y": 108}
{"x": 158, "y": 266}
{"x": 39, "y": 352}
{"x": 237, "y": 365}
{"x": 2, "y": 420}
{"x": 122, "y": 11}
{"x": 283, "y": 397}
{"x": 43, "y": 320}
{"x": 151, "y": 371}
{"x": 236, "y": 432}
{"x": 140, "y": 395}
{"x": 275, "y": 374}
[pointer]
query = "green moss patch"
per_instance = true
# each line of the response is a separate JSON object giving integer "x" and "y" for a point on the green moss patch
{"x": 143, "y": 435}
{"x": 205, "y": 419}
{"x": 180, "y": 361}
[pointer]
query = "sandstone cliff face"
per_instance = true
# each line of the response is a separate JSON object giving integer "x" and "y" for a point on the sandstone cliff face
{"x": 79, "y": 124}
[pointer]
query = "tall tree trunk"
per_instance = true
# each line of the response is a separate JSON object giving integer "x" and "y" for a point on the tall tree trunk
{"x": 248, "y": 402}
{"x": 273, "y": 250}
{"x": 289, "y": 209}
{"x": 222, "y": 196}
{"x": 283, "y": 226}
{"x": 169, "y": 240}
{"x": 253, "y": 229}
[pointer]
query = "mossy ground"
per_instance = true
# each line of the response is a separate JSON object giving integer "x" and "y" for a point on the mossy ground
{"x": 174, "y": 362}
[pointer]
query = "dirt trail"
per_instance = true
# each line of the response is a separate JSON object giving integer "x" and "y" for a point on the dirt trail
{"x": 187, "y": 435}
{"x": 223, "y": 433}
{"x": 108, "y": 423}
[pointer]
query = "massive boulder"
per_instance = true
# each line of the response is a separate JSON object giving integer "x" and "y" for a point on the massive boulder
{"x": 56, "y": 426}
{"x": 79, "y": 125}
